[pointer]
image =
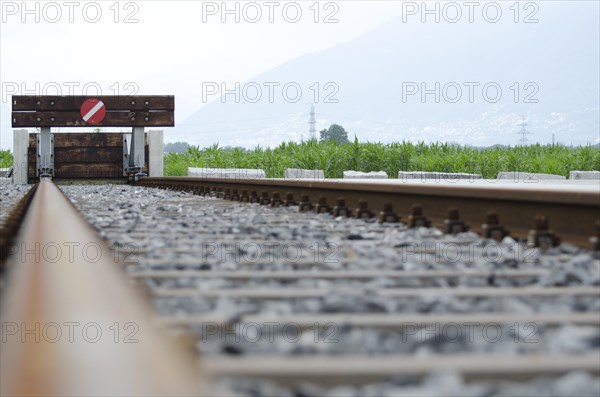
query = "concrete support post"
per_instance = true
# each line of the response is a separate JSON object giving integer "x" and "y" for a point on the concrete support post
{"x": 45, "y": 166}
{"x": 156, "y": 150}
{"x": 136, "y": 153}
{"x": 20, "y": 146}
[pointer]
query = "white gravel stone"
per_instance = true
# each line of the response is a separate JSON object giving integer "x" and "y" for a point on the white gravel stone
{"x": 9, "y": 196}
{"x": 528, "y": 176}
{"x": 232, "y": 173}
{"x": 439, "y": 384}
{"x": 298, "y": 173}
{"x": 585, "y": 175}
{"x": 365, "y": 175}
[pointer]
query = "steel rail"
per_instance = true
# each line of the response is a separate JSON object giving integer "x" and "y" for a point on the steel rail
{"x": 71, "y": 323}
{"x": 571, "y": 215}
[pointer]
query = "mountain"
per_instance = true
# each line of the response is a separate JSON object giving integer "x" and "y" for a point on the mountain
{"x": 555, "y": 62}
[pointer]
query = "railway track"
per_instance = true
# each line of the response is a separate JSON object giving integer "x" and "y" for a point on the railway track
{"x": 57, "y": 306}
{"x": 454, "y": 208}
{"x": 274, "y": 300}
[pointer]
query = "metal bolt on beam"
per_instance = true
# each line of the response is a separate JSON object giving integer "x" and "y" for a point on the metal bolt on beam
{"x": 305, "y": 204}
{"x": 289, "y": 200}
{"x": 276, "y": 201}
{"x": 453, "y": 225}
{"x": 363, "y": 211}
{"x": 340, "y": 208}
{"x": 417, "y": 217}
{"x": 492, "y": 227}
{"x": 322, "y": 207}
{"x": 388, "y": 215}
{"x": 542, "y": 236}
{"x": 264, "y": 198}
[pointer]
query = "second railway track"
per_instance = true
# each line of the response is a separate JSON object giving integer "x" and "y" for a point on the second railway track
{"x": 279, "y": 301}
{"x": 490, "y": 209}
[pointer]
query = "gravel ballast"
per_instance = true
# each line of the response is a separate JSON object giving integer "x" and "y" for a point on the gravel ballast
{"x": 9, "y": 196}
{"x": 160, "y": 230}
{"x": 442, "y": 384}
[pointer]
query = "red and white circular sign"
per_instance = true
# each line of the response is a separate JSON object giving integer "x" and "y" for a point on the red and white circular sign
{"x": 93, "y": 111}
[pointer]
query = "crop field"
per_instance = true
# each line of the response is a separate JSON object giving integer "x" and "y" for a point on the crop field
{"x": 405, "y": 156}
{"x": 391, "y": 158}
{"x": 6, "y": 158}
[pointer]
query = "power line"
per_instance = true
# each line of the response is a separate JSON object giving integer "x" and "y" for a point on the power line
{"x": 523, "y": 132}
{"x": 312, "y": 122}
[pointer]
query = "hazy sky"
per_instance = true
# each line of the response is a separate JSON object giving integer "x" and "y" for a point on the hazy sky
{"x": 166, "y": 47}
{"x": 173, "y": 47}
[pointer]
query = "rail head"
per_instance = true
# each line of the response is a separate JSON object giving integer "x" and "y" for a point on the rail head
{"x": 71, "y": 324}
{"x": 589, "y": 195}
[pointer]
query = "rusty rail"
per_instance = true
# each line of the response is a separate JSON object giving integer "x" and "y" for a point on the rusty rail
{"x": 71, "y": 324}
{"x": 573, "y": 216}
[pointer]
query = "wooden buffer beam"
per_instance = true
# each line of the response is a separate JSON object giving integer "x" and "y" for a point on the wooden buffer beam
{"x": 135, "y": 112}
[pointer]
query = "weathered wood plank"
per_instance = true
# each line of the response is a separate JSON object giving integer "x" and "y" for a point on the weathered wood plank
{"x": 83, "y": 139}
{"x": 31, "y": 165}
{"x": 73, "y": 103}
{"x": 88, "y": 170}
{"x": 88, "y": 140}
{"x": 112, "y": 119}
{"x": 89, "y": 155}
{"x": 32, "y": 158}
{"x": 83, "y": 155}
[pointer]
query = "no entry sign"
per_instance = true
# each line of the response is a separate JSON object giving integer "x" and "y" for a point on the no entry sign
{"x": 93, "y": 111}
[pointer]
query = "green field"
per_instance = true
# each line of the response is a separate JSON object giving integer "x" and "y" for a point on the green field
{"x": 391, "y": 158}
{"x": 6, "y": 159}
{"x": 382, "y": 157}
